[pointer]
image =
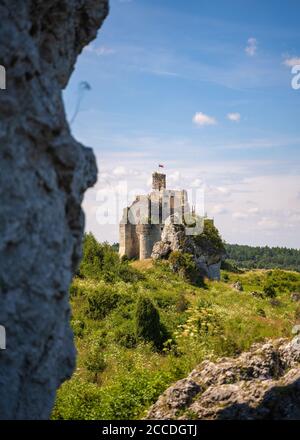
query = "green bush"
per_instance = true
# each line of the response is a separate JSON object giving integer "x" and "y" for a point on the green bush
{"x": 78, "y": 327}
{"x": 124, "y": 334}
{"x": 269, "y": 291}
{"x": 77, "y": 290}
{"x": 182, "y": 304}
{"x": 210, "y": 239}
{"x": 134, "y": 391}
{"x": 94, "y": 361}
{"x": 101, "y": 302}
{"x": 100, "y": 261}
{"x": 184, "y": 264}
{"x": 225, "y": 277}
{"x": 261, "y": 312}
{"x": 147, "y": 322}
{"x": 77, "y": 400}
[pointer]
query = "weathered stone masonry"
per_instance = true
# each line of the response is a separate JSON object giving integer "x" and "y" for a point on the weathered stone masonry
{"x": 143, "y": 222}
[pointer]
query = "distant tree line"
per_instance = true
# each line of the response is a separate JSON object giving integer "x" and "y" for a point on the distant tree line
{"x": 256, "y": 257}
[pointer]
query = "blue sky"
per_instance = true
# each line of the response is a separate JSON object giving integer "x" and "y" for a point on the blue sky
{"x": 205, "y": 88}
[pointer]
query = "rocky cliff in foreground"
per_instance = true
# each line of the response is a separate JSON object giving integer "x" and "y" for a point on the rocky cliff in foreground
{"x": 44, "y": 173}
{"x": 263, "y": 383}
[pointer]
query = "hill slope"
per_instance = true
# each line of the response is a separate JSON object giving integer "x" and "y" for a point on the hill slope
{"x": 122, "y": 368}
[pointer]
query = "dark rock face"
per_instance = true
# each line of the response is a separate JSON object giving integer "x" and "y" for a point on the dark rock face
{"x": 263, "y": 383}
{"x": 44, "y": 173}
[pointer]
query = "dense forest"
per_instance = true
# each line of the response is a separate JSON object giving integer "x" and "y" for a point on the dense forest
{"x": 257, "y": 257}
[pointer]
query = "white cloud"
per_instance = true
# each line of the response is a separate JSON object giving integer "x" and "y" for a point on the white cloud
{"x": 219, "y": 210}
{"x": 267, "y": 223}
{"x": 175, "y": 177}
{"x": 196, "y": 183}
{"x": 99, "y": 51}
{"x": 120, "y": 171}
{"x": 223, "y": 190}
{"x": 202, "y": 119}
{"x": 251, "y": 48}
{"x": 246, "y": 214}
{"x": 253, "y": 210}
{"x": 159, "y": 72}
{"x": 292, "y": 61}
{"x": 240, "y": 215}
{"x": 234, "y": 117}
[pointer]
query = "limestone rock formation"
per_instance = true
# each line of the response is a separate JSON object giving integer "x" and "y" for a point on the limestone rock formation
{"x": 263, "y": 383}
{"x": 295, "y": 296}
{"x": 207, "y": 258}
{"x": 238, "y": 286}
{"x": 44, "y": 173}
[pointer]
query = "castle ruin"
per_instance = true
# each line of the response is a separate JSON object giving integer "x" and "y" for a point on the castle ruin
{"x": 143, "y": 222}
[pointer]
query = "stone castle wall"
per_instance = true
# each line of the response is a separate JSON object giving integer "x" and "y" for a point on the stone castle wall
{"x": 143, "y": 222}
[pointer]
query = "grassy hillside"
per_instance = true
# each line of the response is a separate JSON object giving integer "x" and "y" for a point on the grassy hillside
{"x": 140, "y": 327}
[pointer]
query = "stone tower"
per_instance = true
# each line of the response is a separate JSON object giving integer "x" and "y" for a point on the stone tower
{"x": 158, "y": 181}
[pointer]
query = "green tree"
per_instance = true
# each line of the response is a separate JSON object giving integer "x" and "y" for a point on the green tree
{"x": 92, "y": 258}
{"x": 210, "y": 239}
{"x": 94, "y": 361}
{"x": 147, "y": 322}
{"x": 100, "y": 261}
{"x": 251, "y": 257}
{"x": 101, "y": 302}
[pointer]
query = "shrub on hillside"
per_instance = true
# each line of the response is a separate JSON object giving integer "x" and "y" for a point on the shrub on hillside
{"x": 77, "y": 400}
{"x": 210, "y": 239}
{"x": 94, "y": 361}
{"x": 260, "y": 312}
{"x": 78, "y": 327}
{"x": 203, "y": 326}
{"x": 101, "y": 302}
{"x": 182, "y": 304}
{"x": 225, "y": 277}
{"x": 126, "y": 399}
{"x": 147, "y": 322}
{"x": 101, "y": 262}
{"x": 269, "y": 291}
{"x": 184, "y": 264}
{"x": 125, "y": 335}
